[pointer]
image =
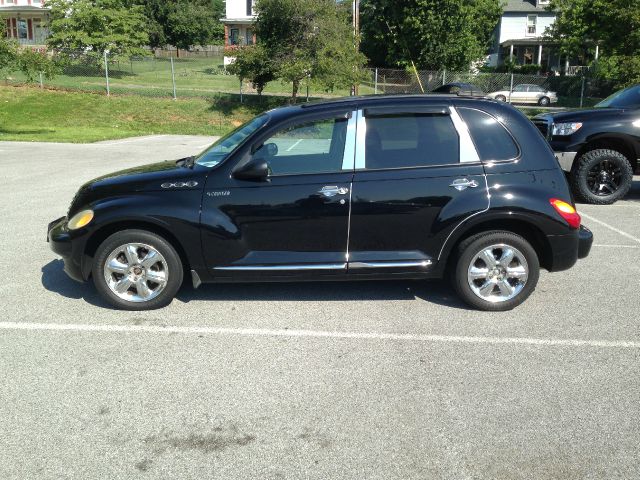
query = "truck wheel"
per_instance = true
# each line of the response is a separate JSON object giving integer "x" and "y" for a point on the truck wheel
{"x": 137, "y": 270}
{"x": 601, "y": 176}
{"x": 496, "y": 271}
{"x": 544, "y": 102}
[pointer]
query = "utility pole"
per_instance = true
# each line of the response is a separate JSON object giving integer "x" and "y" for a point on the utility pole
{"x": 355, "y": 8}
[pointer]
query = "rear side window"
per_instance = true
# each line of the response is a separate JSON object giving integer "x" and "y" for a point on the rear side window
{"x": 491, "y": 139}
{"x": 410, "y": 140}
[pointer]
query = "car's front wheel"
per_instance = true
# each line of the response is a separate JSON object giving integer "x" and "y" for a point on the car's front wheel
{"x": 501, "y": 98}
{"x": 137, "y": 270}
{"x": 496, "y": 271}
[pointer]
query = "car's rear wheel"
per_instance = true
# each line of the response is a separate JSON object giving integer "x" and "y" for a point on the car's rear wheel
{"x": 601, "y": 176}
{"x": 501, "y": 98}
{"x": 496, "y": 271}
{"x": 544, "y": 101}
{"x": 137, "y": 270}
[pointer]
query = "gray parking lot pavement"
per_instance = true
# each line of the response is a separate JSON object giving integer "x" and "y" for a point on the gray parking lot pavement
{"x": 351, "y": 380}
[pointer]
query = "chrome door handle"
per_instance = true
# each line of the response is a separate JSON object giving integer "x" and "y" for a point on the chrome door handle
{"x": 462, "y": 183}
{"x": 333, "y": 190}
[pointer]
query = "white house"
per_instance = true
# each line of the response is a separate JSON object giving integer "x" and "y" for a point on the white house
{"x": 520, "y": 36}
{"x": 25, "y": 21}
{"x": 238, "y": 25}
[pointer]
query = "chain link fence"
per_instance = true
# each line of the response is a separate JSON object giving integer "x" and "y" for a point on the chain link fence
{"x": 202, "y": 74}
{"x": 572, "y": 91}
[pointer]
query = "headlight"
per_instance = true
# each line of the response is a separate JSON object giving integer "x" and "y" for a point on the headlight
{"x": 80, "y": 219}
{"x": 564, "y": 129}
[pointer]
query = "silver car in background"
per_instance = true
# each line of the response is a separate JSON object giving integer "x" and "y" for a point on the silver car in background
{"x": 526, "y": 93}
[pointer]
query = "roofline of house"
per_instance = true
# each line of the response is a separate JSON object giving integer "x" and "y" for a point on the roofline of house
{"x": 23, "y": 8}
{"x": 239, "y": 20}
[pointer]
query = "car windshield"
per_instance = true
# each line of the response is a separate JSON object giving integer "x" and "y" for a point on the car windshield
{"x": 627, "y": 98}
{"x": 217, "y": 152}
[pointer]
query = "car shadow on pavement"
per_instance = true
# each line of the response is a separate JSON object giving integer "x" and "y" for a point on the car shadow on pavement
{"x": 55, "y": 280}
{"x": 431, "y": 291}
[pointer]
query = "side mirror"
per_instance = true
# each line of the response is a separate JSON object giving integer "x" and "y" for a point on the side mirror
{"x": 257, "y": 169}
{"x": 268, "y": 150}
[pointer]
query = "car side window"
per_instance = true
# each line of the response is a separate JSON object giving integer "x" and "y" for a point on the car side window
{"x": 311, "y": 147}
{"x": 520, "y": 88}
{"x": 491, "y": 139}
{"x": 410, "y": 140}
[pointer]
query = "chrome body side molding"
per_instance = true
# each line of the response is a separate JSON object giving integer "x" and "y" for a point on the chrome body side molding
{"x": 283, "y": 268}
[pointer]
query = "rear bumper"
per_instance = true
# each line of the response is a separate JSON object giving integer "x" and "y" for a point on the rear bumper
{"x": 567, "y": 249}
{"x": 585, "y": 240}
{"x": 61, "y": 242}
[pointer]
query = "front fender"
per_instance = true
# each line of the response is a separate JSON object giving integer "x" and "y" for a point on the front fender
{"x": 174, "y": 214}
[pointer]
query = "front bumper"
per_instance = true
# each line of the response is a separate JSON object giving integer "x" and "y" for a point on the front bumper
{"x": 61, "y": 242}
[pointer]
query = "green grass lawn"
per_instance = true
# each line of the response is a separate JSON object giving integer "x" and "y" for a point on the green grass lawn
{"x": 152, "y": 77}
{"x": 32, "y": 114}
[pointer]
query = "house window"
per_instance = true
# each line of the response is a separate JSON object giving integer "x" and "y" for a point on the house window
{"x": 249, "y": 37}
{"x": 251, "y": 5}
{"x": 532, "y": 21}
{"x": 234, "y": 35}
{"x": 22, "y": 29}
{"x": 528, "y": 56}
{"x": 12, "y": 28}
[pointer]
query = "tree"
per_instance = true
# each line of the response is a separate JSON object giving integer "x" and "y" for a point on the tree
{"x": 308, "y": 39}
{"x": 97, "y": 25}
{"x": 183, "y": 23}
{"x": 434, "y": 34}
{"x": 612, "y": 25}
{"x": 254, "y": 64}
{"x": 29, "y": 62}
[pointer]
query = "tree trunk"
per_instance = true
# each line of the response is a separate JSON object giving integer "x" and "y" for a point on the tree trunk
{"x": 177, "y": 52}
{"x": 296, "y": 86}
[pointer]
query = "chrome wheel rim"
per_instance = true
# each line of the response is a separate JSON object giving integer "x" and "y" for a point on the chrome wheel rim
{"x": 136, "y": 272}
{"x": 498, "y": 273}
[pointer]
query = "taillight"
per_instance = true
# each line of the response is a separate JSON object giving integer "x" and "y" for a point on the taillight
{"x": 567, "y": 212}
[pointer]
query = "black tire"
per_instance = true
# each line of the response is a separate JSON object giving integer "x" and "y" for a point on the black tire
{"x": 174, "y": 272}
{"x": 501, "y": 98}
{"x": 544, "y": 101}
{"x": 586, "y": 181}
{"x": 467, "y": 251}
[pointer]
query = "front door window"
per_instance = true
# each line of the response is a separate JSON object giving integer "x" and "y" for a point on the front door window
{"x": 312, "y": 147}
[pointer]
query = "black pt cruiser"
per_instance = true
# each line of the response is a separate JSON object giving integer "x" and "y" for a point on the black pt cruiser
{"x": 383, "y": 187}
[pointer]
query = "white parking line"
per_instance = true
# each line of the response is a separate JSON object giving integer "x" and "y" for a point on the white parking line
{"x": 294, "y": 145}
{"x": 616, "y": 246}
{"x": 624, "y": 234}
{"x": 265, "y": 332}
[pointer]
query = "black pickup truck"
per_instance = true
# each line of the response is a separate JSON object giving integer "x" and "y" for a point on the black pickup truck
{"x": 599, "y": 147}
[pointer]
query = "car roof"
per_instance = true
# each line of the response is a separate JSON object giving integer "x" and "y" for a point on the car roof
{"x": 434, "y": 98}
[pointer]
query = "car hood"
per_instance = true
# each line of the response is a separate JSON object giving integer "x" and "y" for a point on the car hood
{"x": 580, "y": 115}
{"x": 162, "y": 176}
